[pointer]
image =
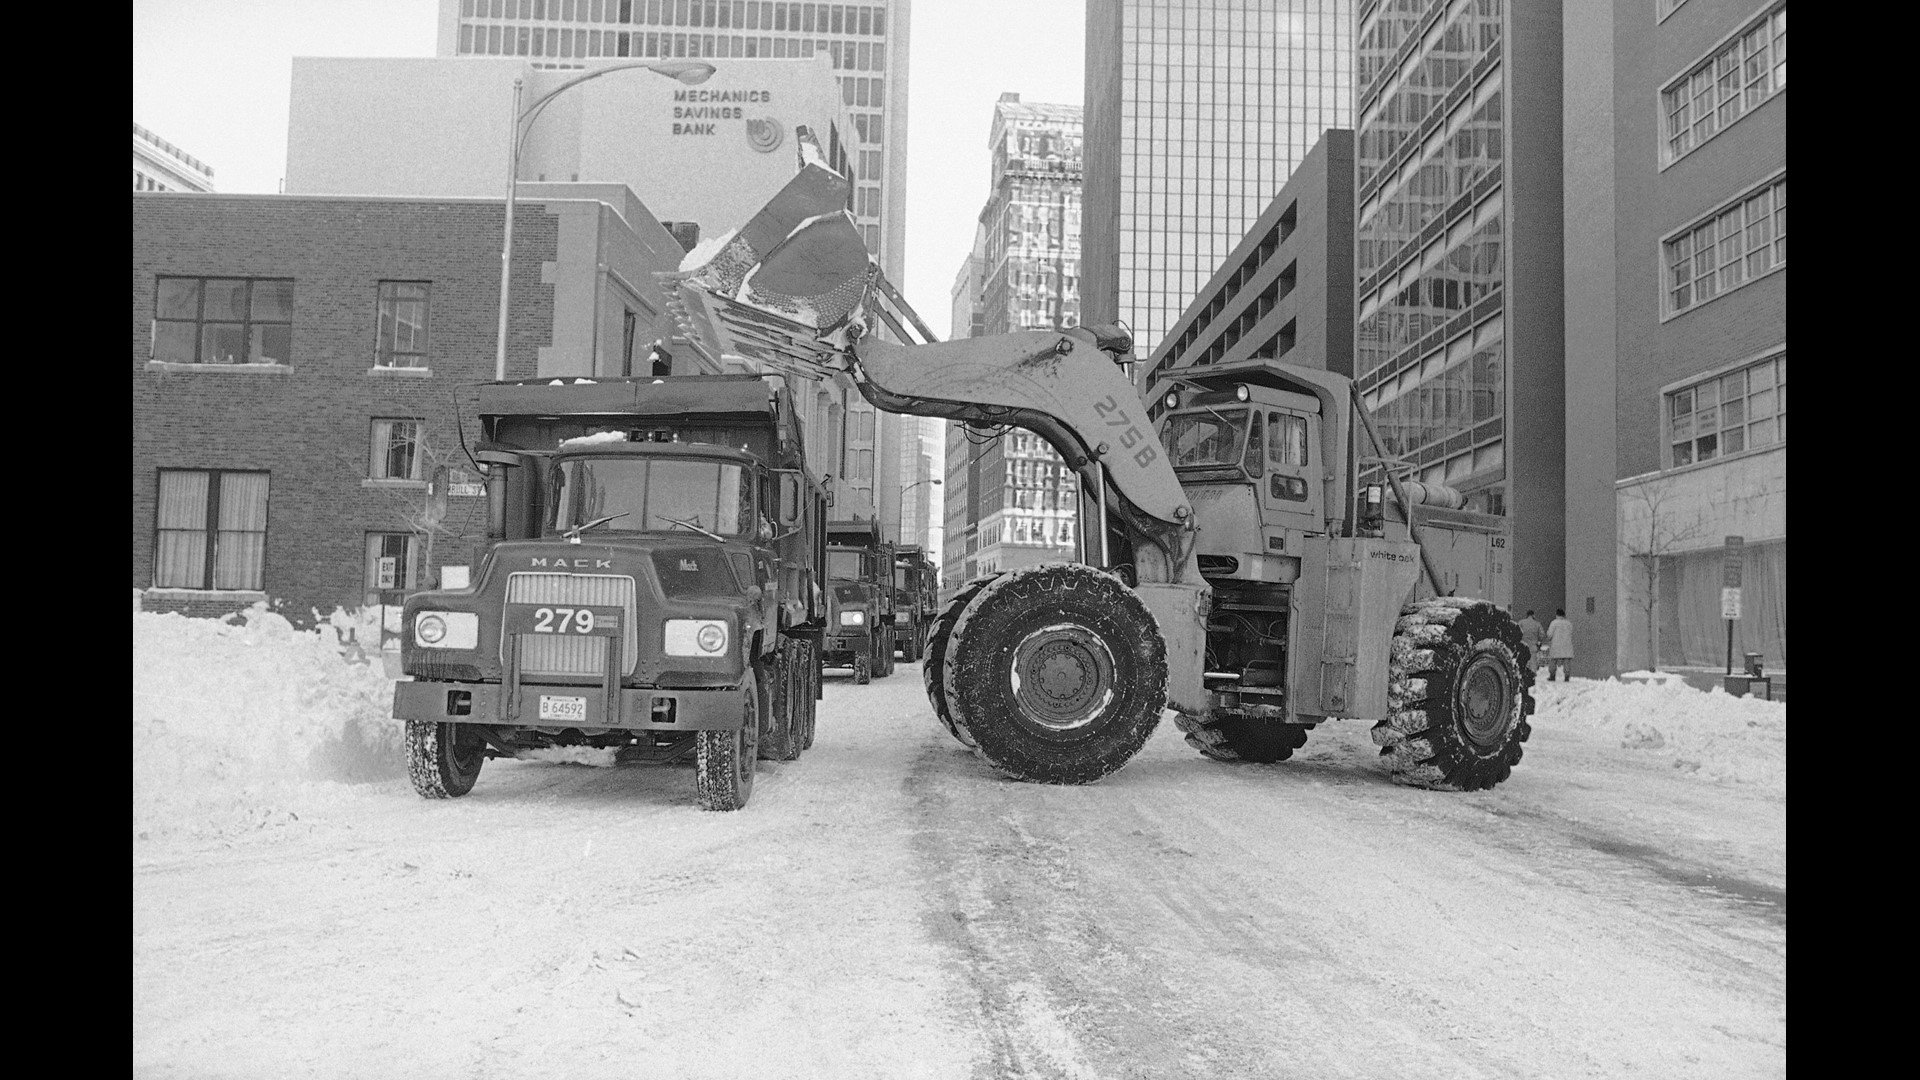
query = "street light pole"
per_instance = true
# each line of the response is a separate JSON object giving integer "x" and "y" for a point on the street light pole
{"x": 691, "y": 72}
{"x": 900, "y": 523}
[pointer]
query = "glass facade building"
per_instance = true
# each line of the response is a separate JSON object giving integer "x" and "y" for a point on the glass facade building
{"x": 1459, "y": 339}
{"x": 1198, "y": 111}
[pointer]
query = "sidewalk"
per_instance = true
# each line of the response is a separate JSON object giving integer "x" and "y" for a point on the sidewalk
{"x": 1701, "y": 678}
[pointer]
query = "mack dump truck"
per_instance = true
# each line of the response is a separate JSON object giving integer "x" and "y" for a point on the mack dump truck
{"x": 860, "y": 600}
{"x": 916, "y": 600}
{"x": 654, "y": 585}
{"x": 1240, "y": 575}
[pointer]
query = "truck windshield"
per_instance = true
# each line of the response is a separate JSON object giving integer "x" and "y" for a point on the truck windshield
{"x": 845, "y": 565}
{"x": 1212, "y": 437}
{"x": 652, "y": 495}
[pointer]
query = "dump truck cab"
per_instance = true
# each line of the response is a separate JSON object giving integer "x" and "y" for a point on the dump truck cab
{"x": 653, "y": 588}
{"x": 915, "y": 600}
{"x": 860, "y": 603}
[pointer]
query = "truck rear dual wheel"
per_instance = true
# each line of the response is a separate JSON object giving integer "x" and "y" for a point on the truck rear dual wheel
{"x": 935, "y": 668}
{"x": 724, "y": 761}
{"x": 1459, "y": 697}
{"x": 1058, "y": 672}
{"x": 784, "y": 736}
{"x": 443, "y": 759}
{"x": 1227, "y": 736}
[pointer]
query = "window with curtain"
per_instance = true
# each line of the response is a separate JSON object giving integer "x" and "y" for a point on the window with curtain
{"x": 210, "y": 530}
{"x": 1692, "y": 633}
{"x": 395, "y": 453}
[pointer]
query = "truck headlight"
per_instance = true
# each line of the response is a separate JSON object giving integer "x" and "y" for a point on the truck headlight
{"x": 447, "y": 630}
{"x": 695, "y": 637}
{"x": 853, "y": 618}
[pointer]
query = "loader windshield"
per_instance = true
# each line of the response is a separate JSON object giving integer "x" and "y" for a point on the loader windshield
{"x": 651, "y": 495}
{"x": 1213, "y": 437}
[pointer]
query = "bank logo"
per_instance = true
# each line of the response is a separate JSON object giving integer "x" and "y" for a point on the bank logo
{"x": 765, "y": 135}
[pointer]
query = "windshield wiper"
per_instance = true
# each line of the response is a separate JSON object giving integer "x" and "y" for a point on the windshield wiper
{"x": 574, "y": 533}
{"x": 694, "y": 527}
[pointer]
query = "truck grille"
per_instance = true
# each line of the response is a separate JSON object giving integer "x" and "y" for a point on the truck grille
{"x": 553, "y": 654}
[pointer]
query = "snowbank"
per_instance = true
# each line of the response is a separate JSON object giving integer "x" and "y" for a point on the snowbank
{"x": 237, "y": 723}
{"x": 1711, "y": 735}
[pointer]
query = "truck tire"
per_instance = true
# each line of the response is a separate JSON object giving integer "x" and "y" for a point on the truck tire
{"x": 862, "y": 670}
{"x": 1227, "y": 736}
{"x": 1460, "y": 695}
{"x": 904, "y": 642}
{"x": 935, "y": 668}
{"x": 1058, "y": 672}
{"x": 442, "y": 760}
{"x": 886, "y": 652}
{"x": 810, "y": 696}
{"x": 724, "y": 761}
{"x": 782, "y": 738}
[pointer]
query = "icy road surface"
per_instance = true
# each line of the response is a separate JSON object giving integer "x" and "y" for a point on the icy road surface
{"x": 888, "y": 907}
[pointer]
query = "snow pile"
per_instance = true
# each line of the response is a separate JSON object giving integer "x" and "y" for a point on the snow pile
{"x": 704, "y": 251}
{"x": 1712, "y": 735}
{"x": 237, "y": 721}
{"x": 595, "y": 439}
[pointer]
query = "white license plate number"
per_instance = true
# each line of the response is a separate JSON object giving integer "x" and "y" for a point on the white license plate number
{"x": 562, "y": 708}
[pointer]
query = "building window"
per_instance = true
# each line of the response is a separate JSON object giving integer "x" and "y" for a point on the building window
{"x": 1728, "y": 249}
{"x": 1725, "y": 86}
{"x": 629, "y": 330}
{"x": 403, "y": 325}
{"x": 222, "y": 320}
{"x": 395, "y": 453}
{"x": 210, "y": 529}
{"x": 1740, "y": 410}
{"x": 390, "y": 562}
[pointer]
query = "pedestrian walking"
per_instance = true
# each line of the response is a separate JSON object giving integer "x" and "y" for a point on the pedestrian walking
{"x": 1534, "y": 637}
{"x": 1559, "y": 646}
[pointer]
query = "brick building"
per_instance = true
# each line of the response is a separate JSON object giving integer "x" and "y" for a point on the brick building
{"x": 299, "y": 363}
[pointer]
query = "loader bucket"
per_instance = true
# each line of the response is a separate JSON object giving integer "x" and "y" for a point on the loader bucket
{"x": 783, "y": 287}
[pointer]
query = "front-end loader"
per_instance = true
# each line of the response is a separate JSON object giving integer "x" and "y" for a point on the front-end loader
{"x": 1237, "y": 572}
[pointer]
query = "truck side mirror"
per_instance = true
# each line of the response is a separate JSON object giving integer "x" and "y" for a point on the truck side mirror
{"x": 789, "y": 498}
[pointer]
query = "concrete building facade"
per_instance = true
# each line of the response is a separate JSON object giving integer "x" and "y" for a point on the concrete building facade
{"x": 1011, "y": 501}
{"x": 303, "y": 365}
{"x": 1676, "y": 210}
{"x": 1285, "y": 291}
{"x": 1459, "y": 341}
{"x": 158, "y": 165}
{"x": 1197, "y": 111}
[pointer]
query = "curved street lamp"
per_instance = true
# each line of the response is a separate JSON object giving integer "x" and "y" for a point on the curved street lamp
{"x": 691, "y": 72}
{"x": 900, "y": 521}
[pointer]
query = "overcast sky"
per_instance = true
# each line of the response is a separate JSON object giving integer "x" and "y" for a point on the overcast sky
{"x": 211, "y": 77}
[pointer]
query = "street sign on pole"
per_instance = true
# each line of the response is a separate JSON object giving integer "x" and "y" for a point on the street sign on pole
{"x": 1731, "y": 563}
{"x": 1730, "y": 602}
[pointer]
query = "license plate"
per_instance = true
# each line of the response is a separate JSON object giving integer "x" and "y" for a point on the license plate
{"x": 562, "y": 708}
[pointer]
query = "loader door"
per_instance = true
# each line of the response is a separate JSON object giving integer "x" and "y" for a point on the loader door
{"x": 1290, "y": 497}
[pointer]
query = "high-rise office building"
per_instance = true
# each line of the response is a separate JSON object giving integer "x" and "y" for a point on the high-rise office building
{"x": 1011, "y": 501}
{"x": 1197, "y": 111}
{"x": 1459, "y": 346}
{"x": 1676, "y": 132}
{"x": 158, "y": 165}
{"x": 868, "y": 45}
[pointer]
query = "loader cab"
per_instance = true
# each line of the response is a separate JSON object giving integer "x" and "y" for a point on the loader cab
{"x": 1247, "y": 456}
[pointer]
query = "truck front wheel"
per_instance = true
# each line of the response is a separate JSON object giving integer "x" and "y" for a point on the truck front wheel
{"x": 1058, "y": 672}
{"x": 442, "y": 759}
{"x": 1459, "y": 697}
{"x": 724, "y": 761}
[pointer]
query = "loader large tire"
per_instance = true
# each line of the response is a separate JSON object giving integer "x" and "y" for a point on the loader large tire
{"x": 1459, "y": 697}
{"x": 934, "y": 669}
{"x": 1229, "y": 737}
{"x": 1058, "y": 672}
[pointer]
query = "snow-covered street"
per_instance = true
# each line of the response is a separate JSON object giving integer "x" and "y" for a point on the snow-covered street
{"x": 887, "y": 906}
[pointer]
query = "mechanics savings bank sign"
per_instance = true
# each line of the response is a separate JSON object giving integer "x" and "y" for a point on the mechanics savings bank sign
{"x": 714, "y": 112}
